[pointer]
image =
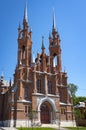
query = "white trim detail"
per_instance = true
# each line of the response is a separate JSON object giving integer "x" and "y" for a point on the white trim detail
{"x": 50, "y": 101}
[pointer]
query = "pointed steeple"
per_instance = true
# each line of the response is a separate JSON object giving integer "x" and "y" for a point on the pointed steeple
{"x": 54, "y": 22}
{"x": 10, "y": 82}
{"x": 25, "y": 18}
{"x": 54, "y": 29}
{"x": 2, "y": 77}
{"x": 50, "y": 35}
{"x": 19, "y": 27}
{"x": 43, "y": 48}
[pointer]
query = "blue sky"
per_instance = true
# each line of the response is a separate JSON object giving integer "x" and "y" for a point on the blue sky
{"x": 71, "y": 25}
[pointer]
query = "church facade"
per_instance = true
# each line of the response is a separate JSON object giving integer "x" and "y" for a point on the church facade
{"x": 39, "y": 94}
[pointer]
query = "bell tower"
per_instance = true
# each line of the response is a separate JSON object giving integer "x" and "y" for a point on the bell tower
{"x": 54, "y": 47}
{"x": 21, "y": 76}
{"x": 24, "y": 42}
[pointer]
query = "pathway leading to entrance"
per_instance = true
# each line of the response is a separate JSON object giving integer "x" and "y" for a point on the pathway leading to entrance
{"x": 53, "y": 126}
{"x": 8, "y": 128}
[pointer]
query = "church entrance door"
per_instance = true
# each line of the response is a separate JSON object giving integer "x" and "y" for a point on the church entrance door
{"x": 45, "y": 113}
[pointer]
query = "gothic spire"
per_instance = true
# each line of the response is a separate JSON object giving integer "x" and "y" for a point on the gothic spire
{"x": 2, "y": 76}
{"x": 42, "y": 43}
{"x": 25, "y": 18}
{"x": 19, "y": 27}
{"x": 54, "y": 21}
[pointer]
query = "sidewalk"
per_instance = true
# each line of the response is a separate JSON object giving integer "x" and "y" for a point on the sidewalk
{"x": 53, "y": 126}
{"x": 8, "y": 128}
{"x": 11, "y": 128}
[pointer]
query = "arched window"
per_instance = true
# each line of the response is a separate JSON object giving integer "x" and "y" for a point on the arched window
{"x": 26, "y": 92}
{"x": 54, "y": 60}
{"x": 39, "y": 86}
{"x": 23, "y": 51}
{"x": 49, "y": 87}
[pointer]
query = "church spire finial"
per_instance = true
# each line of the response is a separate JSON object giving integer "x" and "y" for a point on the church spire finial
{"x": 25, "y": 14}
{"x": 54, "y": 21}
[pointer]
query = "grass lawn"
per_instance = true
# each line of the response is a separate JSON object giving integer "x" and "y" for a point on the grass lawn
{"x": 41, "y": 128}
{"x": 75, "y": 128}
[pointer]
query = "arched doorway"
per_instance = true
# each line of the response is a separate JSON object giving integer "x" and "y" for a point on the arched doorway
{"x": 46, "y": 113}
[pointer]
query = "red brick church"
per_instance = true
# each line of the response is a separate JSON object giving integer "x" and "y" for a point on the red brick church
{"x": 39, "y": 94}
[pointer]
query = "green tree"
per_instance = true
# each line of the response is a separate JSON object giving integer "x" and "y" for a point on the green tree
{"x": 79, "y": 99}
{"x": 78, "y": 114}
{"x": 72, "y": 88}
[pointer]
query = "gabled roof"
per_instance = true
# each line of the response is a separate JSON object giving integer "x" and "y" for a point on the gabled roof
{"x": 80, "y": 105}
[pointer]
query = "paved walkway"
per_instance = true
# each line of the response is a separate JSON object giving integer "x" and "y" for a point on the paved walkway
{"x": 53, "y": 126}
{"x": 8, "y": 128}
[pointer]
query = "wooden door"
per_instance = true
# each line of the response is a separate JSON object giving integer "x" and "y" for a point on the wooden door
{"x": 45, "y": 114}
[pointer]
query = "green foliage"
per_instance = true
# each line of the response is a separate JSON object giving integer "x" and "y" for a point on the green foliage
{"x": 76, "y": 100}
{"x": 78, "y": 114}
{"x": 72, "y": 88}
{"x": 75, "y": 128}
{"x": 21, "y": 128}
{"x": 32, "y": 114}
{"x": 68, "y": 128}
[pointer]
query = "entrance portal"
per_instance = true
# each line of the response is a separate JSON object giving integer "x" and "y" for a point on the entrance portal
{"x": 45, "y": 113}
